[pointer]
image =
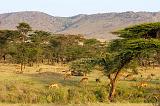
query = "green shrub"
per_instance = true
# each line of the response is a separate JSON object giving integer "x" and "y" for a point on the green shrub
{"x": 81, "y": 95}
{"x": 102, "y": 94}
{"x": 56, "y": 96}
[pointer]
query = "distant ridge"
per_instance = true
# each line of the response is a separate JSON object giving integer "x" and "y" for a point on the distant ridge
{"x": 93, "y": 26}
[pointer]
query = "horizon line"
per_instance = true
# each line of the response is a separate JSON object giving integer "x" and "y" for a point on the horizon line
{"x": 80, "y": 13}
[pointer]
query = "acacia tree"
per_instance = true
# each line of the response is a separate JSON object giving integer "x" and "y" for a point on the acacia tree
{"x": 23, "y": 29}
{"x": 65, "y": 47}
{"x": 6, "y": 37}
{"x": 39, "y": 40}
{"x": 137, "y": 41}
{"x": 84, "y": 66}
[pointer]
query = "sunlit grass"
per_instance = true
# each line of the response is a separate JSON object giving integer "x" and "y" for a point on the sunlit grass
{"x": 37, "y": 82}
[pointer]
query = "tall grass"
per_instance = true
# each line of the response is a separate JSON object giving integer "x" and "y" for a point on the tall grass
{"x": 21, "y": 92}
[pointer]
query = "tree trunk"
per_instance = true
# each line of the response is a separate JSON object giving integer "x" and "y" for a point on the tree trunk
{"x": 112, "y": 91}
{"x": 21, "y": 67}
{"x": 4, "y": 57}
{"x": 24, "y": 66}
{"x": 37, "y": 61}
{"x": 158, "y": 34}
{"x": 48, "y": 60}
{"x": 113, "y": 86}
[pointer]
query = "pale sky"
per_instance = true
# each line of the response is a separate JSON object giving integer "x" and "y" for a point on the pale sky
{"x": 75, "y": 7}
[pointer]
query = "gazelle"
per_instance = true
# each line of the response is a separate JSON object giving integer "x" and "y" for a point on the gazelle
{"x": 67, "y": 74}
{"x": 85, "y": 79}
{"x": 142, "y": 84}
{"x": 128, "y": 76}
{"x": 39, "y": 70}
{"x": 53, "y": 86}
{"x": 18, "y": 69}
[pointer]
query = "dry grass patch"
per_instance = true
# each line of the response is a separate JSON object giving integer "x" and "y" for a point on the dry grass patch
{"x": 96, "y": 104}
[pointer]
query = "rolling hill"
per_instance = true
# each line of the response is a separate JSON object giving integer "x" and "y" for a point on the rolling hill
{"x": 92, "y": 26}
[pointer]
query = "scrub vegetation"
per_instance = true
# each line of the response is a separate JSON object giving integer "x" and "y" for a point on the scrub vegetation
{"x": 38, "y": 67}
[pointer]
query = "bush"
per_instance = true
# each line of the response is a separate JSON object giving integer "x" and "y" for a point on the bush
{"x": 56, "y": 96}
{"x": 81, "y": 95}
{"x": 102, "y": 94}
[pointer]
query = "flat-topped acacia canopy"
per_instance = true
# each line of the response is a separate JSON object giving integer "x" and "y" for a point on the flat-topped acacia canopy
{"x": 147, "y": 30}
{"x": 140, "y": 42}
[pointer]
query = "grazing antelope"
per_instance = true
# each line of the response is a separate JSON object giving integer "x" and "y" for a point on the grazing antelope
{"x": 39, "y": 70}
{"x": 142, "y": 84}
{"x": 153, "y": 75}
{"x": 18, "y": 69}
{"x": 149, "y": 78}
{"x": 17, "y": 66}
{"x": 67, "y": 76}
{"x": 129, "y": 76}
{"x": 85, "y": 79}
{"x": 53, "y": 86}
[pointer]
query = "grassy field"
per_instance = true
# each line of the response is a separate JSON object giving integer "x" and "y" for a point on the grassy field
{"x": 33, "y": 84}
{"x": 97, "y": 104}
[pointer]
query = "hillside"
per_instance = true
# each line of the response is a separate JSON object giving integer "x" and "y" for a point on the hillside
{"x": 96, "y": 25}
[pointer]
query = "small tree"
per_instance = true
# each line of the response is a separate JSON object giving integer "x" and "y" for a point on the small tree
{"x": 83, "y": 65}
{"x": 6, "y": 37}
{"x": 39, "y": 39}
{"x": 23, "y": 29}
{"x": 137, "y": 41}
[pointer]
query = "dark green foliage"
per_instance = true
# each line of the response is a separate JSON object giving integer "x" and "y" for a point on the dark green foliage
{"x": 123, "y": 51}
{"x": 24, "y": 28}
{"x": 27, "y": 47}
{"x": 147, "y": 30}
{"x": 69, "y": 48}
{"x": 91, "y": 41}
{"x": 133, "y": 46}
{"x": 85, "y": 65}
{"x": 39, "y": 37}
{"x": 6, "y": 36}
